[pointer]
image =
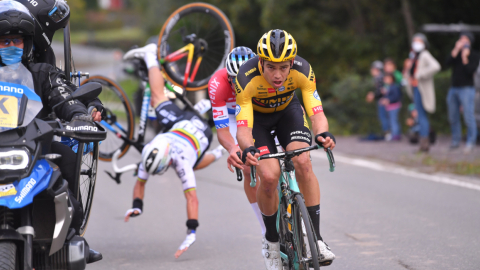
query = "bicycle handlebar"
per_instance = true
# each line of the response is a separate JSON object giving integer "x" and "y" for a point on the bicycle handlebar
{"x": 291, "y": 154}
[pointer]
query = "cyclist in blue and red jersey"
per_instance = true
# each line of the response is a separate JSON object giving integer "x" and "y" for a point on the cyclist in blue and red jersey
{"x": 222, "y": 96}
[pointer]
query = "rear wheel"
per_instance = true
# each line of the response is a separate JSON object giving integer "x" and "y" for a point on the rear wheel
{"x": 8, "y": 256}
{"x": 306, "y": 246}
{"x": 120, "y": 117}
{"x": 214, "y": 33}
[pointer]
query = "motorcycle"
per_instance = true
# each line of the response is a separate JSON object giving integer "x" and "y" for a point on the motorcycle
{"x": 36, "y": 207}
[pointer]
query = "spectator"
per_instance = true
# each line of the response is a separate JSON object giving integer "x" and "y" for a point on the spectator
{"x": 376, "y": 70}
{"x": 390, "y": 67}
{"x": 392, "y": 100}
{"x": 464, "y": 63}
{"x": 420, "y": 85}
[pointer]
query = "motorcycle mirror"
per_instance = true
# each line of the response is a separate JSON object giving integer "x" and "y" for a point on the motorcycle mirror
{"x": 84, "y": 93}
{"x": 87, "y": 92}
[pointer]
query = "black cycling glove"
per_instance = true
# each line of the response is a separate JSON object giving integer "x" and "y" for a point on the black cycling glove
{"x": 324, "y": 135}
{"x": 137, "y": 206}
{"x": 252, "y": 150}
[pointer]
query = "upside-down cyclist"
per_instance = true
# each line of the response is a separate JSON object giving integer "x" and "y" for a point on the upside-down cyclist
{"x": 266, "y": 100}
{"x": 221, "y": 89}
{"x": 184, "y": 146}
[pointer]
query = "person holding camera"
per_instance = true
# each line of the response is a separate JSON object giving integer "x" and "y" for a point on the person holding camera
{"x": 461, "y": 96}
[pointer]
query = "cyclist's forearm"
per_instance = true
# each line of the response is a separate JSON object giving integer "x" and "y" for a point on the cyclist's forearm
{"x": 244, "y": 137}
{"x": 319, "y": 123}
{"x": 157, "y": 83}
{"x": 226, "y": 139}
{"x": 139, "y": 190}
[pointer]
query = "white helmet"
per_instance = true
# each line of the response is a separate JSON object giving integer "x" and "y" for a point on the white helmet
{"x": 156, "y": 156}
{"x": 237, "y": 57}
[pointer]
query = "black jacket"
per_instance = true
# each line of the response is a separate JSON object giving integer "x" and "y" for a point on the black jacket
{"x": 462, "y": 75}
{"x": 52, "y": 87}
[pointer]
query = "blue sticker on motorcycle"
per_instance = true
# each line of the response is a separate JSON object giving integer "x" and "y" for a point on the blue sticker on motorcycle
{"x": 28, "y": 187}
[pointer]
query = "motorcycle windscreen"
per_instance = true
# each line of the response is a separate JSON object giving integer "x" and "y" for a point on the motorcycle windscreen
{"x": 19, "y": 104}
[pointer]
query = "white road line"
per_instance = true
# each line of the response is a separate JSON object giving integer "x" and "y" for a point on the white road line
{"x": 398, "y": 170}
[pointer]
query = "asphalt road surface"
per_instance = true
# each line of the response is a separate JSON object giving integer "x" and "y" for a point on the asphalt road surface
{"x": 371, "y": 219}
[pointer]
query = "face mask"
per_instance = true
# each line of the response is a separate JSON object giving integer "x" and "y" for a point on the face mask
{"x": 11, "y": 55}
{"x": 418, "y": 46}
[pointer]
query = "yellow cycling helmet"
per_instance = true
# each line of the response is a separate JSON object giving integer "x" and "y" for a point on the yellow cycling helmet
{"x": 277, "y": 46}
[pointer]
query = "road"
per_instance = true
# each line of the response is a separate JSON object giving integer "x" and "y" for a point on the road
{"x": 372, "y": 220}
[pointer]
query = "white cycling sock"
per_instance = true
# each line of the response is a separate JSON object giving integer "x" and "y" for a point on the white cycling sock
{"x": 258, "y": 214}
{"x": 150, "y": 60}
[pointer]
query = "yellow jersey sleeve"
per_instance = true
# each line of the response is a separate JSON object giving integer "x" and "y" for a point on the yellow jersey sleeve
{"x": 311, "y": 99}
{"x": 244, "y": 108}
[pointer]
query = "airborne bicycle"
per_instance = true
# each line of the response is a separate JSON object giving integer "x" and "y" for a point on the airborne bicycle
{"x": 202, "y": 36}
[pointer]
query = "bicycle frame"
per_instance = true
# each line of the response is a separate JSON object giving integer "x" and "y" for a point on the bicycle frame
{"x": 288, "y": 189}
{"x": 188, "y": 50}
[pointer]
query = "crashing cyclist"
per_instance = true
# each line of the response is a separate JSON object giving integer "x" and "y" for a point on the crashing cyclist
{"x": 184, "y": 146}
{"x": 266, "y": 100}
{"x": 221, "y": 89}
{"x": 17, "y": 32}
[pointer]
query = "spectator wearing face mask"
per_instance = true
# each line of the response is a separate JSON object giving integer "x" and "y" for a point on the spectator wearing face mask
{"x": 464, "y": 62}
{"x": 420, "y": 85}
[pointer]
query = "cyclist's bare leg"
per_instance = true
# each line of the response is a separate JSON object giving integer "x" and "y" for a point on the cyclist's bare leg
{"x": 207, "y": 159}
{"x": 267, "y": 195}
{"x": 251, "y": 192}
{"x": 307, "y": 181}
{"x": 157, "y": 84}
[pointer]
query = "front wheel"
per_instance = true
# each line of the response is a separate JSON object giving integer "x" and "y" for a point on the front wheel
{"x": 306, "y": 245}
{"x": 8, "y": 256}
{"x": 214, "y": 33}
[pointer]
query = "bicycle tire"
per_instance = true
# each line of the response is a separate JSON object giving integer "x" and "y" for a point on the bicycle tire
{"x": 173, "y": 74}
{"x": 300, "y": 213}
{"x": 8, "y": 256}
{"x": 87, "y": 185}
{"x": 108, "y": 84}
{"x": 67, "y": 52}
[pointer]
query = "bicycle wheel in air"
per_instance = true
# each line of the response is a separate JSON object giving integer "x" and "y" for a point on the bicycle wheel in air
{"x": 215, "y": 33}
{"x": 87, "y": 180}
{"x": 120, "y": 118}
{"x": 306, "y": 246}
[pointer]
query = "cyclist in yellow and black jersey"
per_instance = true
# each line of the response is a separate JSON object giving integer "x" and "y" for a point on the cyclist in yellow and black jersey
{"x": 266, "y": 101}
{"x": 255, "y": 93}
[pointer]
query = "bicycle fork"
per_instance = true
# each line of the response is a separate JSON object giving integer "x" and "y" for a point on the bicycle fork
{"x": 287, "y": 188}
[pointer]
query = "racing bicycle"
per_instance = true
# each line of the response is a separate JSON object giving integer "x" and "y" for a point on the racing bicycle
{"x": 298, "y": 242}
{"x": 204, "y": 37}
